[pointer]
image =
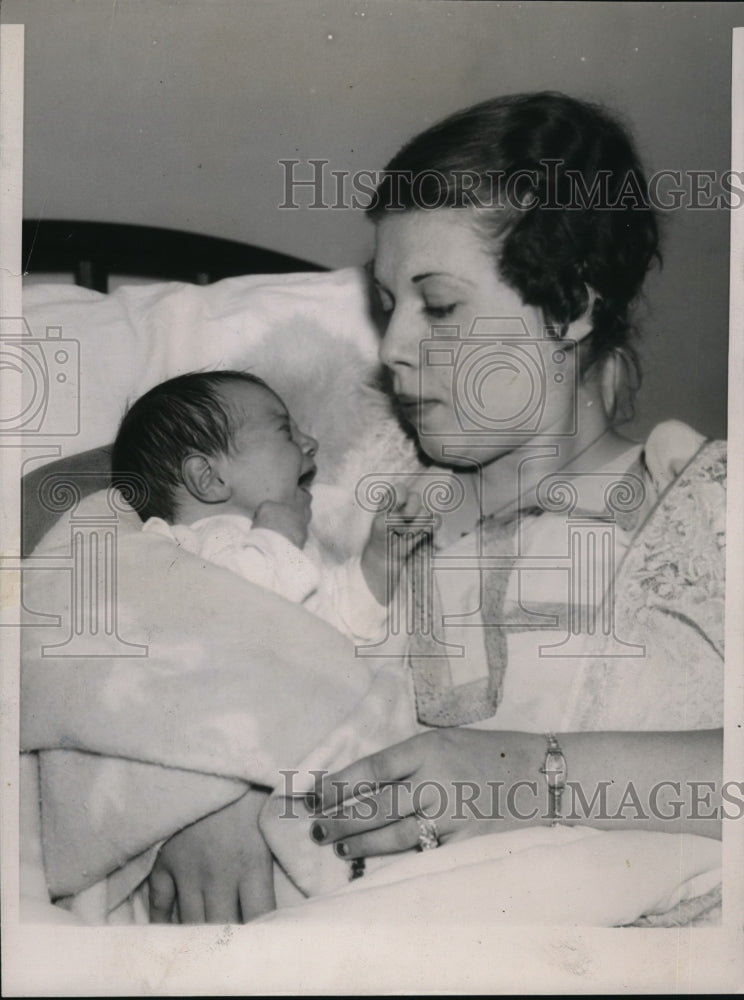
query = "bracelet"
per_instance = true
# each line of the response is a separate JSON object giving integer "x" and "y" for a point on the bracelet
{"x": 555, "y": 772}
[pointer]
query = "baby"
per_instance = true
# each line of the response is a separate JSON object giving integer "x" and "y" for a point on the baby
{"x": 227, "y": 475}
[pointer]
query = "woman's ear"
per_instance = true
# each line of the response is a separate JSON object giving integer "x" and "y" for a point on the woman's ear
{"x": 619, "y": 382}
{"x": 201, "y": 478}
{"x": 583, "y": 326}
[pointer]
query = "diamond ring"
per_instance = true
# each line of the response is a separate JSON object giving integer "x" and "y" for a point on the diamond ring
{"x": 428, "y": 834}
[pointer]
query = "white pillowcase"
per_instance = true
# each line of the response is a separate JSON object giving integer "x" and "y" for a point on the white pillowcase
{"x": 309, "y": 335}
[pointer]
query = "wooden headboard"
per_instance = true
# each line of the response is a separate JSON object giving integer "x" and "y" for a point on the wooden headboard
{"x": 92, "y": 251}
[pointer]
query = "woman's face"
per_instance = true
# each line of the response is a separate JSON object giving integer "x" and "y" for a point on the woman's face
{"x": 473, "y": 368}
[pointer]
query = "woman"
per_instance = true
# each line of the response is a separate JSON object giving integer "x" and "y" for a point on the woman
{"x": 522, "y": 228}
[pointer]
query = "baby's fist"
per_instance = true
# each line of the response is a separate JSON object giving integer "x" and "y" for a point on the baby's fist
{"x": 380, "y": 565}
{"x": 401, "y": 519}
{"x": 290, "y": 519}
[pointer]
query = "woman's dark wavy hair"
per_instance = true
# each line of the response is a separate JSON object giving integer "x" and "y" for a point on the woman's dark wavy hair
{"x": 173, "y": 420}
{"x": 575, "y": 199}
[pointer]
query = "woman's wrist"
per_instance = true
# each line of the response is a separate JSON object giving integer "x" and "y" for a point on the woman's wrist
{"x": 527, "y": 798}
{"x": 665, "y": 781}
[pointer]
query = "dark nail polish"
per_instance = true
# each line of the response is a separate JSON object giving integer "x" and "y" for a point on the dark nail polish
{"x": 341, "y": 849}
{"x": 318, "y": 833}
{"x": 312, "y": 802}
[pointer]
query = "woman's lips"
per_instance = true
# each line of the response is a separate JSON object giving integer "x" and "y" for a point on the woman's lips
{"x": 416, "y": 409}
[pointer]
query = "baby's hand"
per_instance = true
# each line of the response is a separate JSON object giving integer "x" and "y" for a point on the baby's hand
{"x": 289, "y": 518}
{"x": 405, "y": 513}
{"x": 379, "y": 566}
{"x": 218, "y": 870}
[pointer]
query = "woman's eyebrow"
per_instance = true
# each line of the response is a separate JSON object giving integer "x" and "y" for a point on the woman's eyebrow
{"x": 442, "y": 274}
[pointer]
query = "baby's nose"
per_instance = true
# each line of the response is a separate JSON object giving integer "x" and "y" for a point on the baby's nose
{"x": 309, "y": 445}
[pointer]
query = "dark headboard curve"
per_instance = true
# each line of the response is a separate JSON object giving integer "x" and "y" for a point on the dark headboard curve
{"x": 94, "y": 250}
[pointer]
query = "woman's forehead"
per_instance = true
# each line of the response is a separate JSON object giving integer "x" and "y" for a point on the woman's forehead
{"x": 419, "y": 242}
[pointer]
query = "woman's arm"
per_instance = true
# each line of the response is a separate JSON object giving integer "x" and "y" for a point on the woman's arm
{"x": 669, "y": 782}
{"x": 475, "y": 781}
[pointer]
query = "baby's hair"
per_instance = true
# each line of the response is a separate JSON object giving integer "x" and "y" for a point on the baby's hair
{"x": 173, "y": 420}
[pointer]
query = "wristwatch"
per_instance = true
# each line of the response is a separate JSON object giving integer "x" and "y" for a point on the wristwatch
{"x": 555, "y": 771}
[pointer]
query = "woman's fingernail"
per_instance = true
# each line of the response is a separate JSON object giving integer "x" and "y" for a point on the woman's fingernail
{"x": 341, "y": 849}
{"x": 318, "y": 833}
{"x": 312, "y": 802}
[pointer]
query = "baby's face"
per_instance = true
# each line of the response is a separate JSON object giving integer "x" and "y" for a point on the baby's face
{"x": 271, "y": 458}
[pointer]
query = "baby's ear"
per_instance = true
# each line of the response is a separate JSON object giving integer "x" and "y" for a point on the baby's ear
{"x": 202, "y": 480}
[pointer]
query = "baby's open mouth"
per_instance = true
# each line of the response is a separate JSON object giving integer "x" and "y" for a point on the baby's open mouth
{"x": 306, "y": 478}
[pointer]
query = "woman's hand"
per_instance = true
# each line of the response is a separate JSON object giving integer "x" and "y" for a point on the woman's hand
{"x": 218, "y": 870}
{"x": 467, "y": 780}
{"x": 477, "y": 781}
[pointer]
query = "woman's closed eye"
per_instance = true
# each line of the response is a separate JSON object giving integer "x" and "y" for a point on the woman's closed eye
{"x": 440, "y": 312}
{"x": 432, "y": 309}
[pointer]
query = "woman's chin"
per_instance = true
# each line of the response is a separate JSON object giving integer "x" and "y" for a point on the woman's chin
{"x": 461, "y": 450}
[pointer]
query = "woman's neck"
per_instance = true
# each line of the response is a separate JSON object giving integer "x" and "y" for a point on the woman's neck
{"x": 509, "y": 483}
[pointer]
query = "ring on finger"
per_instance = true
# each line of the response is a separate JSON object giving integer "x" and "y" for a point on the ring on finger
{"x": 428, "y": 832}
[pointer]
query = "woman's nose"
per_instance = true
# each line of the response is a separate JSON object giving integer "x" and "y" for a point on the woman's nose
{"x": 400, "y": 343}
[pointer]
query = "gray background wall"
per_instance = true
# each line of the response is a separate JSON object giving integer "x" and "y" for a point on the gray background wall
{"x": 176, "y": 112}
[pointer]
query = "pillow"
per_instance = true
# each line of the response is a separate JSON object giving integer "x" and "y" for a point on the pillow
{"x": 140, "y": 335}
{"x": 309, "y": 336}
